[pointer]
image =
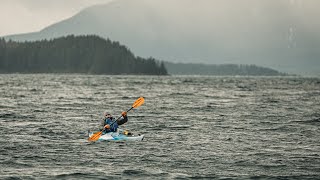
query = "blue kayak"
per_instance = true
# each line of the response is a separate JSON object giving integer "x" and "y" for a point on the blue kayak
{"x": 120, "y": 135}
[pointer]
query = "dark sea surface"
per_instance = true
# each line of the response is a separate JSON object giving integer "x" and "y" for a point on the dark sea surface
{"x": 194, "y": 126}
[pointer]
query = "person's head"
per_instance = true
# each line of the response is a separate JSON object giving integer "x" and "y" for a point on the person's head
{"x": 107, "y": 114}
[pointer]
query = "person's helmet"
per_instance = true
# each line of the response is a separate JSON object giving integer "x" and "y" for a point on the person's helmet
{"x": 106, "y": 113}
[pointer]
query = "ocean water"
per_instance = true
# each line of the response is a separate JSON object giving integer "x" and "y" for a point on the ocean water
{"x": 194, "y": 127}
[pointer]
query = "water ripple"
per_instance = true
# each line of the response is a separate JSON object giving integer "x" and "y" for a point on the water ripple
{"x": 196, "y": 127}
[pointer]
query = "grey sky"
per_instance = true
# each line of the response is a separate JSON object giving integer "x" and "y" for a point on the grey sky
{"x": 22, "y": 16}
{"x": 273, "y": 33}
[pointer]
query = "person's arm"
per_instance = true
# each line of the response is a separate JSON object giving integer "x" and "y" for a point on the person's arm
{"x": 123, "y": 119}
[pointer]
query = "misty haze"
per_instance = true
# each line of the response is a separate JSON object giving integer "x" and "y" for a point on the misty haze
{"x": 159, "y": 89}
{"x": 280, "y": 34}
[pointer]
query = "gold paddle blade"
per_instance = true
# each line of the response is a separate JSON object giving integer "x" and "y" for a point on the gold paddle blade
{"x": 95, "y": 136}
{"x": 138, "y": 102}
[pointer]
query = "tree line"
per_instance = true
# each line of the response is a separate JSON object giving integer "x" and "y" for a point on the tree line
{"x": 74, "y": 54}
{"x": 220, "y": 69}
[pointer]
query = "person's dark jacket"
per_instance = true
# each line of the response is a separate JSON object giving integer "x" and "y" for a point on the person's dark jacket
{"x": 113, "y": 126}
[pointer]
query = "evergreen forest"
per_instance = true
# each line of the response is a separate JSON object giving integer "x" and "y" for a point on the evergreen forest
{"x": 74, "y": 54}
{"x": 221, "y": 69}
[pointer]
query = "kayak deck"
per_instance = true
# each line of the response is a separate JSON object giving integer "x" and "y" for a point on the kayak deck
{"x": 118, "y": 136}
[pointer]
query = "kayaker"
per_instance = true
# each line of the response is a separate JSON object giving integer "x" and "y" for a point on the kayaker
{"x": 110, "y": 124}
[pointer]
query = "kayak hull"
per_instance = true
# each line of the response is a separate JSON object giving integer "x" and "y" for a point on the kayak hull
{"x": 116, "y": 136}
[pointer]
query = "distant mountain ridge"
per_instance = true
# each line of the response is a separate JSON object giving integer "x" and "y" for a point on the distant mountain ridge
{"x": 220, "y": 70}
{"x": 282, "y": 34}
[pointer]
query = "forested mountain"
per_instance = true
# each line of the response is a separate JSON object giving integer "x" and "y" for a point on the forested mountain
{"x": 95, "y": 55}
{"x": 74, "y": 54}
{"x": 281, "y": 34}
{"x": 220, "y": 70}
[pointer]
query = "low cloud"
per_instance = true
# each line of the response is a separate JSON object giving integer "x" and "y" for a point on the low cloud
{"x": 22, "y": 16}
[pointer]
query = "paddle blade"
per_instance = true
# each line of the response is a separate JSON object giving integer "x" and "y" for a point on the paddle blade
{"x": 138, "y": 102}
{"x": 95, "y": 136}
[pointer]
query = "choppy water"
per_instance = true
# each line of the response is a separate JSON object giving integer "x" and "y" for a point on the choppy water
{"x": 195, "y": 127}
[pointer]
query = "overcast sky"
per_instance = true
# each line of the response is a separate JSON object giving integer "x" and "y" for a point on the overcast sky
{"x": 23, "y": 16}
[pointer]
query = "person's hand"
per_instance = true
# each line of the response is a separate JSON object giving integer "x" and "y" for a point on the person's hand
{"x": 107, "y": 126}
{"x": 124, "y": 113}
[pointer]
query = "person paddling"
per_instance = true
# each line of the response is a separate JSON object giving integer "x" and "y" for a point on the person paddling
{"x": 109, "y": 123}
